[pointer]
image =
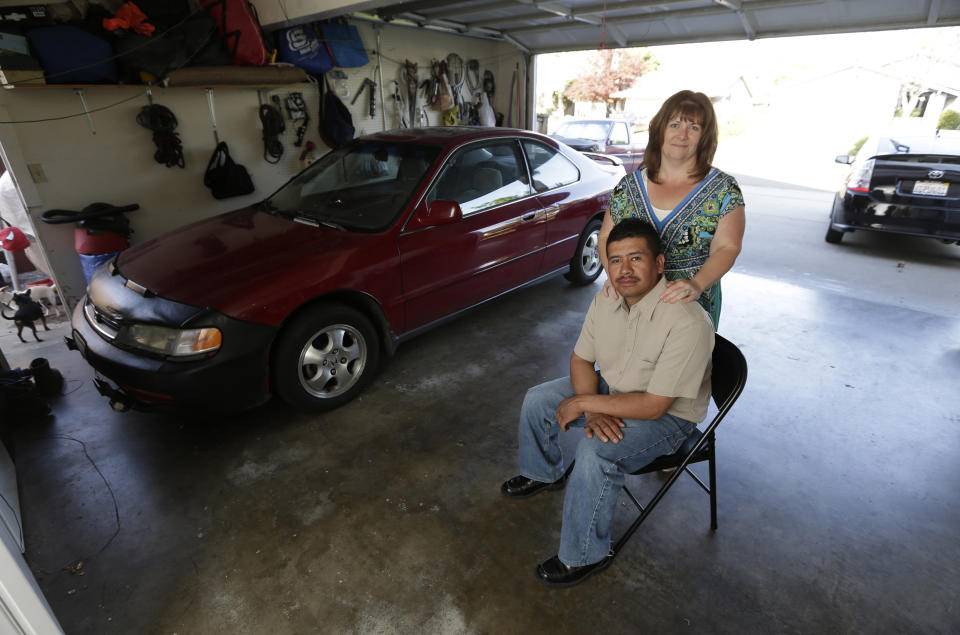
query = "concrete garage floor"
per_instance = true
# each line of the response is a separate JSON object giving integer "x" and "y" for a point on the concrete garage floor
{"x": 837, "y": 473}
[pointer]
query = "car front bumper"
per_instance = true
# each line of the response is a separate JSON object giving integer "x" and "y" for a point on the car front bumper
{"x": 855, "y": 211}
{"x": 235, "y": 378}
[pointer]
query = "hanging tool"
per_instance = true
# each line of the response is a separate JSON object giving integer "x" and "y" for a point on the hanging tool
{"x": 383, "y": 113}
{"x": 410, "y": 79}
{"x": 297, "y": 111}
{"x": 401, "y": 106}
{"x": 372, "y": 106}
{"x": 456, "y": 77}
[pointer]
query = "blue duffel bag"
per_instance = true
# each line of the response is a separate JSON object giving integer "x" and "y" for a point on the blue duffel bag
{"x": 303, "y": 47}
{"x": 73, "y": 56}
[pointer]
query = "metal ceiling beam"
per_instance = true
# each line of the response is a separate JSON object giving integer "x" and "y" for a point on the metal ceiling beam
{"x": 549, "y": 7}
{"x": 618, "y": 35}
{"x": 413, "y": 7}
{"x": 454, "y": 9}
{"x": 661, "y": 15}
{"x": 748, "y": 26}
{"x": 737, "y": 7}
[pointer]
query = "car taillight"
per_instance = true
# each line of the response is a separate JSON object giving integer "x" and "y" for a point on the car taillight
{"x": 859, "y": 179}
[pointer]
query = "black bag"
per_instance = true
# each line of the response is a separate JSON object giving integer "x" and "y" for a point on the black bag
{"x": 336, "y": 124}
{"x": 224, "y": 177}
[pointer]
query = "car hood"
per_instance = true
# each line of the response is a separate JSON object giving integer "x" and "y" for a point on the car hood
{"x": 578, "y": 143}
{"x": 245, "y": 263}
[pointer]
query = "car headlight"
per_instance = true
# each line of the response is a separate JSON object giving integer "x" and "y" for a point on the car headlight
{"x": 859, "y": 179}
{"x": 171, "y": 342}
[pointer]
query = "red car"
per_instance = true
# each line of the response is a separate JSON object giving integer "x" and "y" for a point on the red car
{"x": 303, "y": 294}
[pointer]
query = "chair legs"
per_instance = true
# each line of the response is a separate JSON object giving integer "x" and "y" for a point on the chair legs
{"x": 646, "y": 509}
{"x": 713, "y": 483}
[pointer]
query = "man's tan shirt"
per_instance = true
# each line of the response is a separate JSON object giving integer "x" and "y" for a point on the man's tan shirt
{"x": 654, "y": 347}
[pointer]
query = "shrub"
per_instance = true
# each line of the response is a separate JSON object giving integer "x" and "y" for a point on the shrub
{"x": 949, "y": 120}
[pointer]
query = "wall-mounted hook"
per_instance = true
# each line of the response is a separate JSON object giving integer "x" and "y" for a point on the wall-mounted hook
{"x": 83, "y": 104}
{"x": 213, "y": 116}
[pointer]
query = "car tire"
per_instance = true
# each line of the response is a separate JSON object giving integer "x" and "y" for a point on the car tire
{"x": 325, "y": 357}
{"x": 585, "y": 266}
{"x": 834, "y": 236}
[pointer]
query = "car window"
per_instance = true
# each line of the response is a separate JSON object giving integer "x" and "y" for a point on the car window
{"x": 619, "y": 136}
{"x": 482, "y": 176}
{"x": 362, "y": 186}
{"x": 550, "y": 168}
{"x": 591, "y": 130}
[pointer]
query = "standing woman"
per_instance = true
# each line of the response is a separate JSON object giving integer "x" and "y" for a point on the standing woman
{"x": 696, "y": 208}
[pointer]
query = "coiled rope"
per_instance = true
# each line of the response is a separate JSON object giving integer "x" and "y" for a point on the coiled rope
{"x": 162, "y": 122}
{"x": 272, "y": 121}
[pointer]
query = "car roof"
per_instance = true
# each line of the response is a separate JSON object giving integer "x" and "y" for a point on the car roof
{"x": 449, "y": 136}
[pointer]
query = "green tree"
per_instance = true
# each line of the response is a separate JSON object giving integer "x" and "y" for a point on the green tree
{"x": 609, "y": 71}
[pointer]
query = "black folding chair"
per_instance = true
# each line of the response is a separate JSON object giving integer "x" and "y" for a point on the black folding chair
{"x": 728, "y": 379}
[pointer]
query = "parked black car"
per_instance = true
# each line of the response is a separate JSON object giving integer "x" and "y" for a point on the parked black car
{"x": 903, "y": 185}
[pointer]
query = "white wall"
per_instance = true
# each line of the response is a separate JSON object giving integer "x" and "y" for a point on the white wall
{"x": 116, "y": 165}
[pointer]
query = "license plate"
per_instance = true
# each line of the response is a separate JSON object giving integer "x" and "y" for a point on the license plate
{"x": 931, "y": 188}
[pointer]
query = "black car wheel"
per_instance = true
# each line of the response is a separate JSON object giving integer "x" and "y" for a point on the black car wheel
{"x": 833, "y": 235}
{"x": 585, "y": 267}
{"x": 325, "y": 357}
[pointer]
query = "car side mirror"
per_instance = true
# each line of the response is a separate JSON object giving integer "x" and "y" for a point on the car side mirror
{"x": 844, "y": 158}
{"x": 441, "y": 213}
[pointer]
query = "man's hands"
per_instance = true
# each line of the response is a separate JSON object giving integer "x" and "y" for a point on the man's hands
{"x": 568, "y": 410}
{"x": 604, "y": 427}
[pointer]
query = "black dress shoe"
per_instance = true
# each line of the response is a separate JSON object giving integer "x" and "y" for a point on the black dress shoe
{"x": 521, "y": 486}
{"x": 554, "y": 573}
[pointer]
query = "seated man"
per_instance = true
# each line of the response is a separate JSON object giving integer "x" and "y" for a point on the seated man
{"x": 652, "y": 388}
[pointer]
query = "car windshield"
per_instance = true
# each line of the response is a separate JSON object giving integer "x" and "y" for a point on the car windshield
{"x": 592, "y": 130}
{"x": 946, "y": 142}
{"x": 360, "y": 187}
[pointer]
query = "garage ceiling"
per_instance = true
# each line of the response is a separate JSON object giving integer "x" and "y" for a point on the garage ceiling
{"x": 564, "y": 25}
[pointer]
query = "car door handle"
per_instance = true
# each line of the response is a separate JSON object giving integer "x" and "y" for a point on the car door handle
{"x": 529, "y": 216}
{"x": 549, "y": 213}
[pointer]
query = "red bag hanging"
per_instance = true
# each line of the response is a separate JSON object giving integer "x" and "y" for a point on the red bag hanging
{"x": 239, "y": 29}
{"x": 12, "y": 239}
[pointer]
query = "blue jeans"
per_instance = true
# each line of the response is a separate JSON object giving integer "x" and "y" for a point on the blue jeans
{"x": 597, "y": 477}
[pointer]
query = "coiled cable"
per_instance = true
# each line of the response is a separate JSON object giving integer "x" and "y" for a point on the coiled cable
{"x": 273, "y": 126}
{"x": 162, "y": 122}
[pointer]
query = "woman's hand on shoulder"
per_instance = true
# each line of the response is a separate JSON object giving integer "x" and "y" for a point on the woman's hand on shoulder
{"x": 681, "y": 291}
{"x": 608, "y": 290}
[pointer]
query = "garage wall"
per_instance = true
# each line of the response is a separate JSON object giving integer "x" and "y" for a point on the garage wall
{"x": 116, "y": 164}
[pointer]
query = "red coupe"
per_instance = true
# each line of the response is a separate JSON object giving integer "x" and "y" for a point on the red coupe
{"x": 303, "y": 294}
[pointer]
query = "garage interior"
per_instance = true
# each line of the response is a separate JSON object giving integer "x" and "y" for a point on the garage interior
{"x": 836, "y": 470}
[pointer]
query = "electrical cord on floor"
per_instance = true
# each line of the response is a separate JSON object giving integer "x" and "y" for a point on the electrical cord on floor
{"x": 162, "y": 122}
{"x": 272, "y": 121}
{"x": 116, "y": 507}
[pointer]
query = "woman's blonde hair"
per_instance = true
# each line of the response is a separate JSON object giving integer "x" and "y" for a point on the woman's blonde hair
{"x": 689, "y": 106}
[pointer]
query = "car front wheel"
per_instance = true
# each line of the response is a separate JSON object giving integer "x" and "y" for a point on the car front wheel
{"x": 585, "y": 267}
{"x": 325, "y": 357}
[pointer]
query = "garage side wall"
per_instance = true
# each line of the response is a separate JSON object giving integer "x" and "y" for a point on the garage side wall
{"x": 116, "y": 164}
